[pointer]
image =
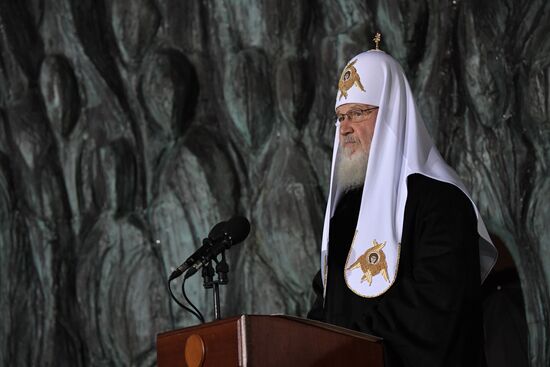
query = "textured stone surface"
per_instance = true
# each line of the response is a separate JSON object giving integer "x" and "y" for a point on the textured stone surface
{"x": 129, "y": 128}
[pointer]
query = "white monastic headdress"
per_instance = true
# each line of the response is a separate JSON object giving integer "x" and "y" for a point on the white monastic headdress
{"x": 400, "y": 147}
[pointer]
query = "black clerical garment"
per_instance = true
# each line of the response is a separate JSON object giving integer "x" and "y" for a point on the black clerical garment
{"x": 431, "y": 315}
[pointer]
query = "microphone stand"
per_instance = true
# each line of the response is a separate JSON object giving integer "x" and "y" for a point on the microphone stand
{"x": 222, "y": 269}
{"x": 219, "y": 239}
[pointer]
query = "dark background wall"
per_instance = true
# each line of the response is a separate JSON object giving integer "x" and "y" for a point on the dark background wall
{"x": 129, "y": 128}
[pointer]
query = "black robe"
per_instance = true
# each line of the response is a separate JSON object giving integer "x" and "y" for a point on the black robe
{"x": 431, "y": 315}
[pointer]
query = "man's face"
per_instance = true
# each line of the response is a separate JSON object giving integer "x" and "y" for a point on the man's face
{"x": 356, "y": 131}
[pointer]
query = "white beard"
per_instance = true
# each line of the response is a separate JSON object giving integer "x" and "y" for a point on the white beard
{"x": 351, "y": 170}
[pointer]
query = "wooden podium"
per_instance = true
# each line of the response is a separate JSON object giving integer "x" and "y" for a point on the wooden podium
{"x": 264, "y": 341}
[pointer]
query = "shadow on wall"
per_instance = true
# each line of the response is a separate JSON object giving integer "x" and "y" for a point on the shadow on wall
{"x": 504, "y": 322}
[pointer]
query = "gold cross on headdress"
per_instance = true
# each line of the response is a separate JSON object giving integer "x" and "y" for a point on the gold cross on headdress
{"x": 376, "y": 39}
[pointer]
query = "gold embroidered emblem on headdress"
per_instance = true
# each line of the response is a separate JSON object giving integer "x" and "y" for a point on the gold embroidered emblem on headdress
{"x": 372, "y": 262}
{"x": 349, "y": 77}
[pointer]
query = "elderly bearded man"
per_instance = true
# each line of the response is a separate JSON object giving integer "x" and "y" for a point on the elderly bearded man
{"x": 404, "y": 249}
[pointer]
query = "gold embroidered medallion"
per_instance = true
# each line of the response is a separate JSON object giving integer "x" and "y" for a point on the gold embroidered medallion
{"x": 348, "y": 79}
{"x": 372, "y": 262}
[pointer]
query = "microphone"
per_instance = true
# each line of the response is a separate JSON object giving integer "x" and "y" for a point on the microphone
{"x": 235, "y": 231}
{"x": 217, "y": 231}
{"x": 201, "y": 251}
{"x": 222, "y": 236}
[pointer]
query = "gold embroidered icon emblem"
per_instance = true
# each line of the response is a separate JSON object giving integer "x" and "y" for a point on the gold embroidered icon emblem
{"x": 372, "y": 262}
{"x": 348, "y": 79}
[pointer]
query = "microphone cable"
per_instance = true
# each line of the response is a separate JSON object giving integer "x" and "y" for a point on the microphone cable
{"x": 197, "y": 314}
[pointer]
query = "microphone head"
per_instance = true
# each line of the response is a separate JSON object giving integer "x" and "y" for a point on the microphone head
{"x": 218, "y": 231}
{"x": 238, "y": 228}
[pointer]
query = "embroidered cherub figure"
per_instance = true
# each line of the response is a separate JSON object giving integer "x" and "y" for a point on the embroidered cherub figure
{"x": 372, "y": 262}
{"x": 349, "y": 77}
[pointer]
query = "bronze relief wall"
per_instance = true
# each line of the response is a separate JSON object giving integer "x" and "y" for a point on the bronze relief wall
{"x": 129, "y": 128}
